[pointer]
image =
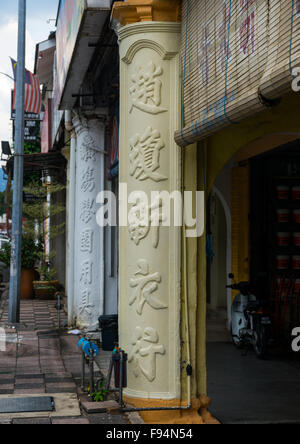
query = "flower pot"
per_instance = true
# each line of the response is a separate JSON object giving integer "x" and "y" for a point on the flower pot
{"x": 45, "y": 290}
{"x": 26, "y": 289}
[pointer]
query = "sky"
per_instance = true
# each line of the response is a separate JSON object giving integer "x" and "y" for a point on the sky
{"x": 38, "y": 14}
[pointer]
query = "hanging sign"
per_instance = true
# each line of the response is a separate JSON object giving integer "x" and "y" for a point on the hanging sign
{"x": 31, "y": 130}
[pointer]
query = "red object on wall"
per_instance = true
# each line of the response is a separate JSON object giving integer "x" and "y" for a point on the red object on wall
{"x": 46, "y": 129}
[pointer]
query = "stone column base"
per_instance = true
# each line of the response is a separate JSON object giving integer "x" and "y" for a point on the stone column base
{"x": 198, "y": 414}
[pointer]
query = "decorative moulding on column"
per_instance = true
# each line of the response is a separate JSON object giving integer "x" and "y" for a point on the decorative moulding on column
{"x": 145, "y": 32}
{"x": 86, "y": 120}
{"x": 134, "y": 11}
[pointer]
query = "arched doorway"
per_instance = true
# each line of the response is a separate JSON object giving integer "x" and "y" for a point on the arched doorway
{"x": 239, "y": 382}
{"x": 226, "y": 258}
{"x": 219, "y": 265}
{"x": 217, "y": 246}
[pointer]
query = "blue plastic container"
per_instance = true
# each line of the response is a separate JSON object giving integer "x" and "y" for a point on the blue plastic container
{"x": 86, "y": 346}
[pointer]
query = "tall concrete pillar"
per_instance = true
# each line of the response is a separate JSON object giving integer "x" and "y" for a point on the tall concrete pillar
{"x": 150, "y": 257}
{"x": 70, "y": 155}
{"x": 66, "y": 152}
{"x": 89, "y": 240}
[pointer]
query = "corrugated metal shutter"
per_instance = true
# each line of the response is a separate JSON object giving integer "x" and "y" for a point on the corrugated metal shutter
{"x": 240, "y": 223}
{"x": 235, "y": 54}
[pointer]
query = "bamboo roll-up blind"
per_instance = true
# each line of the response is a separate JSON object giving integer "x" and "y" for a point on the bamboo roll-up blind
{"x": 236, "y": 55}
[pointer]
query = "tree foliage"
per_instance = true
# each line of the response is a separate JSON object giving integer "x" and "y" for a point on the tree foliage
{"x": 30, "y": 253}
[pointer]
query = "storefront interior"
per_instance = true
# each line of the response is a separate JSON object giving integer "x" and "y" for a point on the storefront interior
{"x": 254, "y": 228}
{"x": 275, "y": 234}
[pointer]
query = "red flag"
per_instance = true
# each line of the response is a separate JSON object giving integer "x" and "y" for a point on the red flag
{"x": 33, "y": 98}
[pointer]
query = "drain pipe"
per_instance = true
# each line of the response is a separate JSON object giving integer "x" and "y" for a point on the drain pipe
{"x": 189, "y": 369}
{"x": 71, "y": 221}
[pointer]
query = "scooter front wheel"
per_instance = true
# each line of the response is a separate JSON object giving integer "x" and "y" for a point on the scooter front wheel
{"x": 236, "y": 341}
{"x": 260, "y": 343}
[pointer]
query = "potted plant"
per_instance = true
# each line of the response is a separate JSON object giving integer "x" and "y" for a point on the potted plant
{"x": 47, "y": 286}
{"x": 30, "y": 251}
{"x": 40, "y": 213}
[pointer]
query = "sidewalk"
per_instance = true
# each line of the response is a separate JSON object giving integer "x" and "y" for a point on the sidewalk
{"x": 40, "y": 359}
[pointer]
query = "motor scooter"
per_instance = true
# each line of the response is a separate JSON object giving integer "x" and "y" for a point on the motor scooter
{"x": 250, "y": 326}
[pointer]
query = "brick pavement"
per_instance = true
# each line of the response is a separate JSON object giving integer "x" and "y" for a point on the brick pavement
{"x": 41, "y": 359}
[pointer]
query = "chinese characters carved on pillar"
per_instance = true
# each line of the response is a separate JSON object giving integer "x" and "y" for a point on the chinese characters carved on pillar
{"x": 146, "y": 87}
{"x": 146, "y": 284}
{"x": 144, "y": 157}
{"x": 143, "y": 354}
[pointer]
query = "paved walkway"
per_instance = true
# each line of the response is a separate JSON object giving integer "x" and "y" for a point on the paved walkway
{"x": 41, "y": 359}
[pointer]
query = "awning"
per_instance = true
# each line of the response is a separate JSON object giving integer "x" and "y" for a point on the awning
{"x": 237, "y": 61}
{"x": 79, "y": 28}
{"x": 50, "y": 164}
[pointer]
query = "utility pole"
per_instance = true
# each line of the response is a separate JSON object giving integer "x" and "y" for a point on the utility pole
{"x": 16, "y": 239}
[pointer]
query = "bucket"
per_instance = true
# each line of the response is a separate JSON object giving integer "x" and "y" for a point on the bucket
{"x": 296, "y": 262}
{"x": 283, "y": 216}
{"x": 117, "y": 366}
{"x": 296, "y": 216}
{"x": 283, "y": 239}
{"x": 110, "y": 335}
{"x": 283, "y": 262}
{"x": 87, "y": 346}
{"x": 296, "y": 193}
{"x": 283, "y": 192}
{"x": 296, "y": 238}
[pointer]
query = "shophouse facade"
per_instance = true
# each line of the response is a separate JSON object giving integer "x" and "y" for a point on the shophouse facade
{"x": 82, "y": 122}
{"x": 204, "y": 88}
{"x": 224, "y": 78}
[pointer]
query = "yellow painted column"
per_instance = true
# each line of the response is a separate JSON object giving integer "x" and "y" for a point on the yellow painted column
{"x": 151, "y": 299}
{"x": 150, "y": 161}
